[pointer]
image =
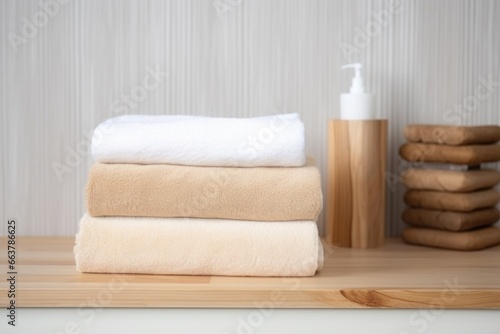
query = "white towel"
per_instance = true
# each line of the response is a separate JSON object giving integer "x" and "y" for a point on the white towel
{"x": 191, "y": 246}
{"x": 276, "y": 140}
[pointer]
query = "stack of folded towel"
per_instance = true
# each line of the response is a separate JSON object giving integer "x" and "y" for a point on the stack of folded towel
{"x": 452, "y": 208}
{"x": 201, "y": 196}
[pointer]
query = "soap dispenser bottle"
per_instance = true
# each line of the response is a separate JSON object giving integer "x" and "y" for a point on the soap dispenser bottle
{"x": 356, "y": 105}
{"x": 356, "y": 184}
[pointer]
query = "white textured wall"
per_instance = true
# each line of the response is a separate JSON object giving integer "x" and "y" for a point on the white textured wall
{"x": 224, "y": 58}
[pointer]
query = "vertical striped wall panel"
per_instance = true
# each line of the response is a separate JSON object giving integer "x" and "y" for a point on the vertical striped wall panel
{"x": 67, "y": 67}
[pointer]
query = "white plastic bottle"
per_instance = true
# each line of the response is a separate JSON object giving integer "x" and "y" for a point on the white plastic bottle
{"x": 357, "y": 105}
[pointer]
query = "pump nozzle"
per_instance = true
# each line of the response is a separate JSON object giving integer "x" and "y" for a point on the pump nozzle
{"x": 357, "y": 81}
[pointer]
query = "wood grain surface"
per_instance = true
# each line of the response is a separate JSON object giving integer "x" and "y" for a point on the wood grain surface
{"x": 355, "y": 203}
{"x": 394, "y": 276}
{"x": 338, "y": 204}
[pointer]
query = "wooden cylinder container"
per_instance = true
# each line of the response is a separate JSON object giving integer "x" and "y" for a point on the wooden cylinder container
{"x": 356, "y": 189}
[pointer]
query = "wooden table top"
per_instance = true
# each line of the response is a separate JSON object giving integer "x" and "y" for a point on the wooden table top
{"x": 395, "y": 276}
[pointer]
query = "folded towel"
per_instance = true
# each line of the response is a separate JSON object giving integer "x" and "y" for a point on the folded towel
{"x": 443, "y": 200}
{"x": 201, "y": 141}
{"x": 452, "y": 135}
{"x": 450, "y": 220}
{"x": 259, "y": 193}
{"x": 464, "y": 155}
{"x": 450, "y": 180}
{"x": 467, "y": 241}
{"x": 189, "y": 246}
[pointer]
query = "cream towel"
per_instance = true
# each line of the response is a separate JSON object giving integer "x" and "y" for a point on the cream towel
{"x": 189, "y": 246}
{"x": 276, "y": 140}
{"x": 259, "y": 193}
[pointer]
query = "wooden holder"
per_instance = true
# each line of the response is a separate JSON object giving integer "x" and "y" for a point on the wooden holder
{"x": 355, "y": 203}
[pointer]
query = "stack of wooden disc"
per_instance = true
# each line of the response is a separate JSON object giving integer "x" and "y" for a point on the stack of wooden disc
{"x": 451, "y": 208}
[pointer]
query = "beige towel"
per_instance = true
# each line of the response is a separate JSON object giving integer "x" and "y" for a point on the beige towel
{"x": 190, "y": 246}
{"x": 442, "y": 200}
{"x": 467, "y": 241}
{"x": 465, "y": 155}
{"x": 261, "y": 193}
{"x": 452, "y": 135}
{"x": 450, "y": 180}
{"x": 449, "y": 220}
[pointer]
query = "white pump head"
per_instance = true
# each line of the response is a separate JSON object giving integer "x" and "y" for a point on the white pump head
{"x": 357, "y": 81}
